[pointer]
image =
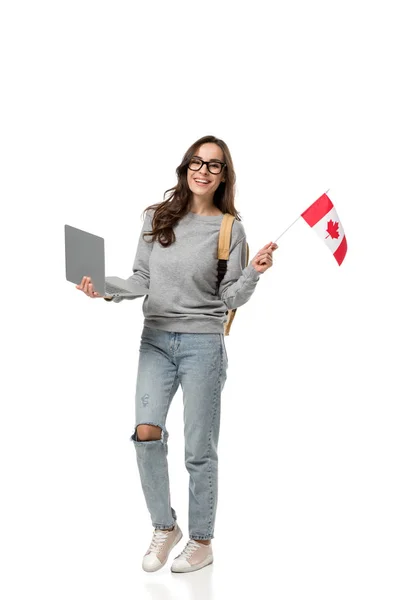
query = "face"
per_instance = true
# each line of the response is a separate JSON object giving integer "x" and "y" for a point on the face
{"x": 207, "y": 152}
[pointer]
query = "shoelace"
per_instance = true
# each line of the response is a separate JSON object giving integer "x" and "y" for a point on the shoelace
{"x": 159, "y": 537}
{"x": 190, "y": 547}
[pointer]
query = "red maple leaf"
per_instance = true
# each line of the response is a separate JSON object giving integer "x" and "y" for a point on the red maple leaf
{"x": 333, "y": 229}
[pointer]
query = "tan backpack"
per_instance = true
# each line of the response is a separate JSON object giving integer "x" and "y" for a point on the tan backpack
{"x": 224, "y": 244}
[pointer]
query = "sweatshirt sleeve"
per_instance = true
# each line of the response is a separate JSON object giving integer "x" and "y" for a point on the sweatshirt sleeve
{"x": 239, "y": 281}
{"x": 141, "y": 270}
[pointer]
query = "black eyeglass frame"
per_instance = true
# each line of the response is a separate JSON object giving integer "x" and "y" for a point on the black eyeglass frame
{"x": 207, "y": 162}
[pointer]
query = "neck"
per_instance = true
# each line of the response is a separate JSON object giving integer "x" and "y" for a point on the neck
{"x": 202, "y": 206}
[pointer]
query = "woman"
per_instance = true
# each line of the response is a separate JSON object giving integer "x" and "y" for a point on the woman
{"x": 183, "y": 341}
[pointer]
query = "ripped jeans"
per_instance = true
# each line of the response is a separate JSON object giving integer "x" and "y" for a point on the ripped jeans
{"x": 197, "y": 361}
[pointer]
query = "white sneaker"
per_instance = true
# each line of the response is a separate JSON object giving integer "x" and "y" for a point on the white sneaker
{"x": 160, "y": 547}
{"x": 194, "y": 556}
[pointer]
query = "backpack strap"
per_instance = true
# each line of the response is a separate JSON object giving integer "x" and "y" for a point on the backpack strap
{"x": 224, "y": 243}
{"x": 232, "y": 311}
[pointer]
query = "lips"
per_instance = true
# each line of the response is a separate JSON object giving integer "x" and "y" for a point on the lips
{"x": 202, "y": 183}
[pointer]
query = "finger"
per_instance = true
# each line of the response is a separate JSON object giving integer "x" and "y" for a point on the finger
{"x": 267, "y": 246}
{"x": 264, "y": 248}
{"x": 261, "y": 252}
{"x": 91, "y": 288}
{"x": 268, "y": 258}
{"x": 86, "y": 285}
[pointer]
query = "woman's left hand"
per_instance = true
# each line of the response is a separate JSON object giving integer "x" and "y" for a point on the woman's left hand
{"x": 263, "y": 260}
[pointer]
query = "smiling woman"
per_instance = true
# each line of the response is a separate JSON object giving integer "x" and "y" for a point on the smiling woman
{"x": 205, "y": 176}
{"x": 183, "y": 343}
{"x": 206, "y": 186}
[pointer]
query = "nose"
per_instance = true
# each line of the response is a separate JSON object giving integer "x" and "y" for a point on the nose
{"x": 204, "y": 170}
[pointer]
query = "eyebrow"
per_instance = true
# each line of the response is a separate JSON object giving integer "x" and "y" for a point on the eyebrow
{"x": 211, "y": 160}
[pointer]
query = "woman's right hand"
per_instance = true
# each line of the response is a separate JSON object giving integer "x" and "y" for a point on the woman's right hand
{"x": 87, "y": 287}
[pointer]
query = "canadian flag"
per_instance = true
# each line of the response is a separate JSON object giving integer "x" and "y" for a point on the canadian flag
{"x": 324, "y": 220}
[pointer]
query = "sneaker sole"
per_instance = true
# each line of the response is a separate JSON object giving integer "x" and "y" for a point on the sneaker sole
{"x": 205, "y": 563}
{"x": 177, "y": 540}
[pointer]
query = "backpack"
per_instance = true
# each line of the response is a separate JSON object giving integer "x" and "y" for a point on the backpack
{"x": 224, "y": 243}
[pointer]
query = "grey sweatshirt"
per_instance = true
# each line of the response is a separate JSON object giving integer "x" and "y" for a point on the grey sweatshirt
{"x": 182, "y": 278}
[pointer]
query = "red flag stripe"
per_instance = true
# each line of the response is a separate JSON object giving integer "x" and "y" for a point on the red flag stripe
{"x": 340, "y": 251}
{"x": 317, "y": 210}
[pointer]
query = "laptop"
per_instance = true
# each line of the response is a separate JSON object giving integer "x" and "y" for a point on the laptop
{"x": 84, "y": 255}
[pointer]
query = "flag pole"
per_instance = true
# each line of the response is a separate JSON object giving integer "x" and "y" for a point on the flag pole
{"x": 286, "y": 229}
{"x": 293, "y": 223}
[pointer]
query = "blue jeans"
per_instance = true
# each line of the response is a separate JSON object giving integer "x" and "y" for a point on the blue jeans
{"x": 197, "y": 361}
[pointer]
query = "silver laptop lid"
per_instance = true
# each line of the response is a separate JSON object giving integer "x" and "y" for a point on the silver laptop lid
{"x": 84, "y": 255}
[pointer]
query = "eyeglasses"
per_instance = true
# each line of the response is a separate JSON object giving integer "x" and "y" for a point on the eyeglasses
{"x": 214, "y": 166}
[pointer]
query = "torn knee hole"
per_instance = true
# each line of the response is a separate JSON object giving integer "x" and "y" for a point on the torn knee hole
{"x": 147, "y": 432}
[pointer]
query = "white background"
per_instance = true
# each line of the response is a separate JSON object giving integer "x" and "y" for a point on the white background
{"x": 99, "y": 102}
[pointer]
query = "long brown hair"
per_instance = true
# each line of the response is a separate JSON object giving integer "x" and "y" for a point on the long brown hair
{"x": 176, "y": 205}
